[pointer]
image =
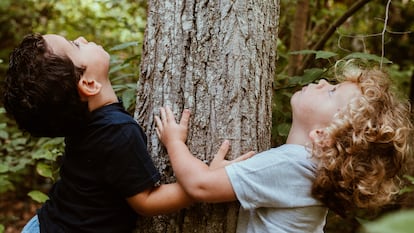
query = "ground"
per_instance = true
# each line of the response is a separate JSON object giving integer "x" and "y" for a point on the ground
{"x": 16, "y": 211}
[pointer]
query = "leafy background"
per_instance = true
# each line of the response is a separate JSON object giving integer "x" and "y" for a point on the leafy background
{"x": 28, "y": 166}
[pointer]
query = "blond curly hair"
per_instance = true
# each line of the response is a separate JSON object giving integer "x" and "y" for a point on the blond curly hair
{"x": 369, "y": 145}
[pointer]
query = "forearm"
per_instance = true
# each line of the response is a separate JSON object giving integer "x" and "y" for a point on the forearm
{"x": 187, "y": 168}
{"x": 164, "y": 199}
{"x": 198, "y": 180}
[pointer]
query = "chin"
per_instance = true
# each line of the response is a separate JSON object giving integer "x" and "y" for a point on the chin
{"x": 294, "y": 98}
{"x": 107, "y": 55}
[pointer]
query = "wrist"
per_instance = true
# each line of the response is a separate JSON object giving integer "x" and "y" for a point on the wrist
{"x": 174, "y": 144}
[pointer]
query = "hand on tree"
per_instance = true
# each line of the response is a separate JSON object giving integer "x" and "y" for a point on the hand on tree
{"x": 168, "y": 130}
{"x": 219, "y": 160}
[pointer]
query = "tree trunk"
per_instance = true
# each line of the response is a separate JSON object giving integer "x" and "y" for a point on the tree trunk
{"x": 411, "y": 97}
{"x": 297, "y": 39}
{"x": 216, "y": 58}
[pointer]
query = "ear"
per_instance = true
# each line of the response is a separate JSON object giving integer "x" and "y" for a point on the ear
{"x": 89, "y": 87}
{"x": 320, "y": 138}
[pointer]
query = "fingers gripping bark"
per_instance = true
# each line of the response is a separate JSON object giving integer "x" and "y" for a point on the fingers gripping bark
{"x": 167, "y": 128}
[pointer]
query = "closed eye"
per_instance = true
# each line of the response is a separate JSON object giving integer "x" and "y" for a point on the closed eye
{"x": 75, "y": 43}
{"x": 331, "y": 91}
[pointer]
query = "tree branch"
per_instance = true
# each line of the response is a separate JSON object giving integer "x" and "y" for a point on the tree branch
{"x": 331, "y": 30}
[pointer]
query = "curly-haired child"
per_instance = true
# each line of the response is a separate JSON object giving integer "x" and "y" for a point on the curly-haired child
{"x": 347, "y": 149}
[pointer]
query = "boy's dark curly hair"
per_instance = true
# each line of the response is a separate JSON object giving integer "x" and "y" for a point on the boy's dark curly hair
{"x": 40, "y": 90}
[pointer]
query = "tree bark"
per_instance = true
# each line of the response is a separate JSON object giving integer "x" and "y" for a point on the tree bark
{"x": 216, "y": 58}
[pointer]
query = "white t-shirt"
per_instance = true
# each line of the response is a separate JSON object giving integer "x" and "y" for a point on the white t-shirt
{"x": 274, "y": 190}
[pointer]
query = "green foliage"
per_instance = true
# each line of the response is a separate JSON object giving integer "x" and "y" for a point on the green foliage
{"x": 38, "y": 196}
{"x": 369, "y": 57}
{"x": 106, "y": 22}
{"x": 124, "y": 72}
{"x": 29, "y": 163}
{"x": 396, "y": 222}
{"x": 410, "y": 187}
{"x": 19, "y": 153}
{"x": 318, "y": 54}
{"x": 118, "y": 25}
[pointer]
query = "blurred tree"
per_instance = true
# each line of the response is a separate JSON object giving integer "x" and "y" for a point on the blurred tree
{"x": 297, "y": 39}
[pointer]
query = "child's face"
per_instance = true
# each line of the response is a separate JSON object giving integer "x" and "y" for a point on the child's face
{"x": 82, "y": 53}
{"x": 314, "y": 106}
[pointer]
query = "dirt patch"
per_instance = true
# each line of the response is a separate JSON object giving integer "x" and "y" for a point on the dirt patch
{"x": 16, "y": 211}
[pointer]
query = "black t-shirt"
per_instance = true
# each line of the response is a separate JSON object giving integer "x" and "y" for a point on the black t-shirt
{"x": 102, "y": 166}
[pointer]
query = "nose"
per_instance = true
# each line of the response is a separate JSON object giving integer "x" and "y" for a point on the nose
{"x": 322, "y": 82}
{"x": 82, "y": 40}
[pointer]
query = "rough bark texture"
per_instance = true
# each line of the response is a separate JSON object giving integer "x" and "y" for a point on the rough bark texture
{"x": 216, "y": 58}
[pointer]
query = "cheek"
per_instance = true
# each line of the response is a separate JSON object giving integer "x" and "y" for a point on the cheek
{"x": 304, "y": 104}
{"x": 302, "y": 110}
{"x": 326, "y": 114}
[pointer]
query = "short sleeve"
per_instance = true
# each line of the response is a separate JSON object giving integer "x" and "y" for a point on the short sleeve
{"x": 129, "y": 169}
{"x": 279, "y": 178}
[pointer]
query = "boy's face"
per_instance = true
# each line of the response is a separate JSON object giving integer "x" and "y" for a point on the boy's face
{"x": 315, "y": 105}
{"x": 82, "y": 53}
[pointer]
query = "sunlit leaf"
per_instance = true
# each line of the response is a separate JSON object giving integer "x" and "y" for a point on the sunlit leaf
{"x": 406, "y": 190}
{"x": 410, "y": 178}
{"x": 3, "y": 168}
{"x": 4, "y": 134}
{"x": 38, "y": 196}
{"x": 44, "y": 170}
{"x": 308, "y": 76}
{"x": 118, "y": 67}
{"x": 319, "y": 54}
{"x": 325, "y": 55}
{"x": 305, "y": 51}
{"x": 41, "y": 154}
{"x": 19, "y": 141}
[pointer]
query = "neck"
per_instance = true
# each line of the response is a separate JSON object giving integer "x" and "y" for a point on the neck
{"x": 298, "y": 136}
{"x": 106, "y": 96}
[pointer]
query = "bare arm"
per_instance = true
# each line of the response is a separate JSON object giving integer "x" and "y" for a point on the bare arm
{"x": 203, "y": 183}
{"x": 164, "y": 199}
